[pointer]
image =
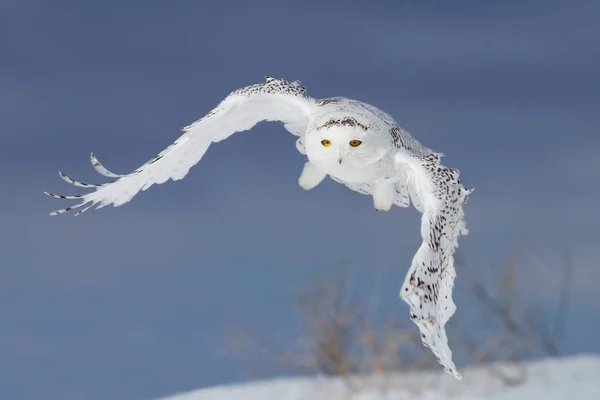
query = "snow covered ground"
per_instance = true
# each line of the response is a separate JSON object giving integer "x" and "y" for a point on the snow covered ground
{"x": 574, "y": 378}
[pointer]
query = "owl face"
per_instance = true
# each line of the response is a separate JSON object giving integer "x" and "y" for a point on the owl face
{"x": 345, "y": 146}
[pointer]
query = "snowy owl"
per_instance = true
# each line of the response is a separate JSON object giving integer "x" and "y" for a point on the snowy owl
{"x": 353, "y": 143}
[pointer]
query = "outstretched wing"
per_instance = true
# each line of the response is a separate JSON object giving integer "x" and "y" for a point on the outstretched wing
{"x": 274, "y": 100}
{"x": 428, "y": 285}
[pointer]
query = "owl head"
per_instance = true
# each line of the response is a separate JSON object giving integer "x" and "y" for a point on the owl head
{"x": 345, "y": 141}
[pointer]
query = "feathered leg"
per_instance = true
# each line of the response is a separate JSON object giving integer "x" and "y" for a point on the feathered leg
{"x": 310, "y": 177}
{"x": 383, "y": 196}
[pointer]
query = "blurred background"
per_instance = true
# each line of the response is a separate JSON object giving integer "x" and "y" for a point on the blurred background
{"x": 235, "y": 272}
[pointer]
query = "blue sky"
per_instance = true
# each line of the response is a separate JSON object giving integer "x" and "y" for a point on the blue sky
{"x": 135, "y": 301}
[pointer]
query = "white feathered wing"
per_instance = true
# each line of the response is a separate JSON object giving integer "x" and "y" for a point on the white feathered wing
{"x": 274, "y": 100}
{"x": 428, "y": 285}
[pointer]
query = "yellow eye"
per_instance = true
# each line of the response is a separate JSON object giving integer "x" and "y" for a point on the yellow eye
{"x": 355, "y": 143}
{"x": 326, "y": 143}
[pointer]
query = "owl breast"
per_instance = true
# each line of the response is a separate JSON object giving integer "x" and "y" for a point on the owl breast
{"x": 354, "y": 172}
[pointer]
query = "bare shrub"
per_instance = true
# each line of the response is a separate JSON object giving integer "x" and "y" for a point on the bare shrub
{"x": 347, "y": 335}
{"x": 512, "y": 309}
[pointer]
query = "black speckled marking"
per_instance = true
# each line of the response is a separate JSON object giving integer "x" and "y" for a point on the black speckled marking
{"x": 155, "y": 159}
{"x": 346, "y": 121}
{"x": 330, "y": 100}
{"x": 273, "y": 86}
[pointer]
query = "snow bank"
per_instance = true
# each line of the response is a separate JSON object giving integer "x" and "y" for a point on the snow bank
{"x": 573, "y": 378}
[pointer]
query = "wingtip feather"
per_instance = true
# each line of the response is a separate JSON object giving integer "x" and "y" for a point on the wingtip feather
{"x": 101, "y": 169}
{"x": 61, "y": 196}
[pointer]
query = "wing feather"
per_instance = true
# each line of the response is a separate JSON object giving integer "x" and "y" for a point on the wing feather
{"x": 428, "y": 285}
{"x": 274, "y": 100}
{"x": 101, "y": 169}
{"x": 402, "y": 198}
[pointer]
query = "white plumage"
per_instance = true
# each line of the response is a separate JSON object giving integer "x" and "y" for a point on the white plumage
{"x": 353, "y": 143}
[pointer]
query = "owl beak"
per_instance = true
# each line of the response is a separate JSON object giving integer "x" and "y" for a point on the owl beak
{"x": 340, "y": 154}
